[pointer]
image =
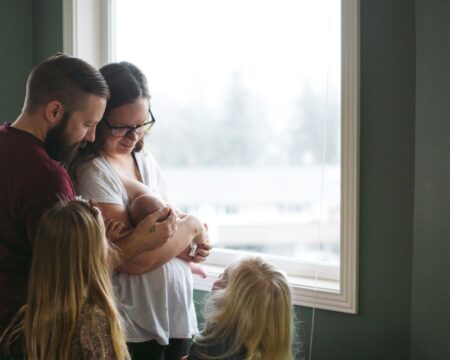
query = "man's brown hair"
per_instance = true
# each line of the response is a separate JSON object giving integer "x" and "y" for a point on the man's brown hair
{"x": 65, "y": 79}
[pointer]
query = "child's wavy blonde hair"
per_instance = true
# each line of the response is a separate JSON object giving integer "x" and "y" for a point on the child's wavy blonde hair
{"x": 253, "y": 311}
{"x": 70, "y": 268}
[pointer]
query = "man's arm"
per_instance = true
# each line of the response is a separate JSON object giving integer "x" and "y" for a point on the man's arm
{"x": 40, "y": 196}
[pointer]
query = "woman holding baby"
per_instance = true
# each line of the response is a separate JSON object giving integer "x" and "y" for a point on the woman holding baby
{"x": 153, "y": 290}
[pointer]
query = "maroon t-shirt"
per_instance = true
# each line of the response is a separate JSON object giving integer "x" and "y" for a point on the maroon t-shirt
{"x": 30, "y": 183}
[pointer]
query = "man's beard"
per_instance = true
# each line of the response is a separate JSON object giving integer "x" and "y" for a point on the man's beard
{"x": 57, "y": 143}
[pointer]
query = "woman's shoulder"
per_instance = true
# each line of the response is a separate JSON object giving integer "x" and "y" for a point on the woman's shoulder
{"x": 93, "y": 169}
{"x": 96, "y": 163}
{"x": 146, "y": 156}
{"x": 148, "y": 166}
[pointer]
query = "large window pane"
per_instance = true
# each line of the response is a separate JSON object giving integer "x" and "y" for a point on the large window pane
{"x": 247, "y": 98}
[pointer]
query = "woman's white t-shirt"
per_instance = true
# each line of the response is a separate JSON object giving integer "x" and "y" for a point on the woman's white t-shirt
{"x": 157, "y": 305}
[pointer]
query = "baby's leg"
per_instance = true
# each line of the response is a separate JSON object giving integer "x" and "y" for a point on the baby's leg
{"x": 197, "y": 270}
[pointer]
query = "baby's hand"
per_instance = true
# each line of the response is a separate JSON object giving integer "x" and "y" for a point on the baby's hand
{"x": 115, "y": 229}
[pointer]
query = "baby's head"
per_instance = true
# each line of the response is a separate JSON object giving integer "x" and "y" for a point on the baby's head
{"x": 144, "y": 205}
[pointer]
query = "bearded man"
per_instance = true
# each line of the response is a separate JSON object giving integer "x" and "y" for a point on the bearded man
{"x": 65, "y": 99}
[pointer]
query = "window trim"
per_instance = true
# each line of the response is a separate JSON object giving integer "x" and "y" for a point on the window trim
{"x": 88, "y": 30}
{"x": 93, "y": 41}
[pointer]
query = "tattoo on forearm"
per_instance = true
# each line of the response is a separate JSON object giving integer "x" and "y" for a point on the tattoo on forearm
{"x": 152, "y": 229}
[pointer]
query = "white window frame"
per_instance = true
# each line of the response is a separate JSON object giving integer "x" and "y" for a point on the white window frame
{"x": 88, "y": 33}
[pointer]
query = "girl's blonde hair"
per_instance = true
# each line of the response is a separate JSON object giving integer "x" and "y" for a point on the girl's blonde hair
{"x": 253, "y": 311}
{"x": 69, "y": 269}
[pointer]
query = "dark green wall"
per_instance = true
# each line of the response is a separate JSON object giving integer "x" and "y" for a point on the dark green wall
{"x": 30, "y": 31}
{"x": 431, "y": 264}
{"x": 47, "y": 29}
{"x": 16, "y": 55}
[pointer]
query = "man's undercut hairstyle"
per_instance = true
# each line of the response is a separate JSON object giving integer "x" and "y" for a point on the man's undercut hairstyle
{"x": 66, "y": 79}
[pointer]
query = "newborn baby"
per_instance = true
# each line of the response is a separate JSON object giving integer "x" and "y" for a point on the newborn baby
{"x": 144, "y": 203}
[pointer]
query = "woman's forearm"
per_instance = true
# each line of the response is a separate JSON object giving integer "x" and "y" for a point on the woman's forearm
{"x": 188, "y": 228}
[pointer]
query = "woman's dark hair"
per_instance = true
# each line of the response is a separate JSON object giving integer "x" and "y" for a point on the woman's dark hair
{"x": 127, "y": 83}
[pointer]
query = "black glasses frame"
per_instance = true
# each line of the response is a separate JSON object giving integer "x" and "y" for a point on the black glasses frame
{"x": 131, "y": 129}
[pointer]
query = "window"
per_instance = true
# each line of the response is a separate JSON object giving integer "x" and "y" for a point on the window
{"x": 257, "y": 103}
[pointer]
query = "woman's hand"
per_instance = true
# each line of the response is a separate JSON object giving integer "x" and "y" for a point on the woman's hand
{"x": 202, "y": 252}
{"x": 156, "y": 233}
{"x": 203, "y": 245}
{"x": 184, "y": 255}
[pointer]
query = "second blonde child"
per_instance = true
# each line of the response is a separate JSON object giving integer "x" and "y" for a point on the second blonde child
{"x": 251, "y": 315}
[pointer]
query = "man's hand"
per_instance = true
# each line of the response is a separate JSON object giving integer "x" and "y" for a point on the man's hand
{"x": 155, "y": 233}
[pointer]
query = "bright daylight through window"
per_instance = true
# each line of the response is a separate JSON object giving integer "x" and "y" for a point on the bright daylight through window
{"x": 248, "y": 100}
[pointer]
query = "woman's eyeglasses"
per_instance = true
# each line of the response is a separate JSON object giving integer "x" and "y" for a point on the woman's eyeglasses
{"x": 121, "y": 131}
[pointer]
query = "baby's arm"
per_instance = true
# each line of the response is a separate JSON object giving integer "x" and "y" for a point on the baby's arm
{"x": 198, "y": 270}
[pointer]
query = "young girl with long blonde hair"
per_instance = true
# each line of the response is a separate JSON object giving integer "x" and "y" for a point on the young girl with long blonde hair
{"x": 70, "y": 312}
{"x": 250, "y": 316}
